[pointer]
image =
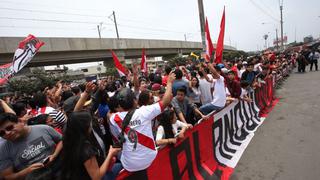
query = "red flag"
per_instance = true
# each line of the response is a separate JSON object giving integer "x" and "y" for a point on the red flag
{"x": 144, "y": 67}
{"x": 121, "y": 70}
{"x": 209, "y": 44}
{"x": 27, "y": 49}
{"x": 219, "y": 50}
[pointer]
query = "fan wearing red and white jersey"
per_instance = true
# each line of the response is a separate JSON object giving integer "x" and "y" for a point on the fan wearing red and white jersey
{"x": 138, "y": 150}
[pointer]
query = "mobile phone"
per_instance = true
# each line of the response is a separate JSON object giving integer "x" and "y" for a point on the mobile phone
{"x": 46, "y": 160}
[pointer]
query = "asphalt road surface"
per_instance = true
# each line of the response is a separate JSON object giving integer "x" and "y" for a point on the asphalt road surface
{"x": 287, "y": 144}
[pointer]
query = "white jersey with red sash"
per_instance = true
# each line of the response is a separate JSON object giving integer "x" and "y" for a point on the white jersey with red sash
{"x": 139, "y": 148}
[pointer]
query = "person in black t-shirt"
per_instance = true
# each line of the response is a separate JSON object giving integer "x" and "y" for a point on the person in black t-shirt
{"x": 80, "y": 158}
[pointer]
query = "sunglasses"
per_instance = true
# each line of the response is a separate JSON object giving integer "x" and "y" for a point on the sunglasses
{"x": 7, "y": 129}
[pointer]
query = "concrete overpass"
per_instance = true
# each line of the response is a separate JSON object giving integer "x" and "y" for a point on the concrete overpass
{"x": 78, "y": 50}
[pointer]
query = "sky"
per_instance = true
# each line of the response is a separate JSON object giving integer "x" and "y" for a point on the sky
{"x": 246, "y": 20}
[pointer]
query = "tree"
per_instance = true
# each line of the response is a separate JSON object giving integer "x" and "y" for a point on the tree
{"x": 231, "y": 55}
{"x": 176, "y": 60}
{"x": 111, "y": 71}
{"x": 38, "y": 80}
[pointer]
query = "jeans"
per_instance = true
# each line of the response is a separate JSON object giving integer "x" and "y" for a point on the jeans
{"x": 301, "y": 67}
{"x": 208, "y": 108}
{"x": 111, "y": 175}
{"x": 315, "y": 62}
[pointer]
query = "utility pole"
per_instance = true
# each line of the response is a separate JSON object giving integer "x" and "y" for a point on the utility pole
{"x": 99, "y": 31}
{"x": 185, "y": 37}
{"x": 281, "y": 22}
{"x": 115, "y": 23}
{"x": 265, "y": 37}
{"x": 295, "y": 34}
{"x": 201, "y": 16}
{"x": 277, "y": 39}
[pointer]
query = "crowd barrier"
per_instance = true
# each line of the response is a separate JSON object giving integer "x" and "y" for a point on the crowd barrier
{"x": 213, "y": 147}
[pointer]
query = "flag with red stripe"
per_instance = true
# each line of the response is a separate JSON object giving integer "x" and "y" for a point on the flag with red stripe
{"x": 209, "y": 45}
{"x": 219, "y": 50}
{"x": 27, "y": 49}
{"x": 121, "y": 69}
{"x": 143, "y": 66}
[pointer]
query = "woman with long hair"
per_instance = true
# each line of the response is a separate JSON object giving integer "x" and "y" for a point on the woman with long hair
{"x": 194, "y": 90}
{"x": 80, "y": 158}
{"x": 170, "y": 128}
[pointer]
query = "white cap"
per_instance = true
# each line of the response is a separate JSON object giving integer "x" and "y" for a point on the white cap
{"x": 224, "y": 70}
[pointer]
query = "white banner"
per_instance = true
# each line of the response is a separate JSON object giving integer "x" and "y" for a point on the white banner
{"x": 234, "y": 128}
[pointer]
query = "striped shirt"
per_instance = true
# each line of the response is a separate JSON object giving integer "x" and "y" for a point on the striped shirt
{"x": 58, "y": 117}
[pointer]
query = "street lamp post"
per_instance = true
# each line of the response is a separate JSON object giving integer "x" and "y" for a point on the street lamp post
{"x": 277, "y": 37}
{"x": 265, "y": 37}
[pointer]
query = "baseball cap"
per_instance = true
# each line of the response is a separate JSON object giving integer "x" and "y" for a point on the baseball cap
{"x": 224, "y": 70}
{"x": 220, "y": 66}
{"x": 156, "y": 87}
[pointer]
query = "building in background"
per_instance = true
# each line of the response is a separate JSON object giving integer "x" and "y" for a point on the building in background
{"x": 152, "y": 62}
{"x": 99, "y": 70}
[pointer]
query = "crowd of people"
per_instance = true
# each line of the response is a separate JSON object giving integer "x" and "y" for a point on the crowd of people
{"x": 97, "y": 129}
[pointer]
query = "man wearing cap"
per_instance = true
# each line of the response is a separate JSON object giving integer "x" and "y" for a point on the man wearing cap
{"x": 138, "y": 148}
{"x": 243, "y": 68}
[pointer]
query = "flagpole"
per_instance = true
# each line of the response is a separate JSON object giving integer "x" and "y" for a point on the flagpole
{"x": 201, "y": 16}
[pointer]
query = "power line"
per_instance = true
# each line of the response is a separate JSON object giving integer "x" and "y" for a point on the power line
{"x": 51, "y": 20}
{"x": 139, "y": 21}
{"x": 45, "y": 5}
{"x": 150, "y": 33}
{"x": 88, "y": 22}
{"x": 263, "y": 11}
{"x": 38, "y": 27}
{"x": 151, "y": 29}
{"x": 268, "y": 7}
{"x": 81, "y": 28}
{"x": 65, "y": 21}
{"x": 154, "y": 23}
{"x": 50, "y": 12}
